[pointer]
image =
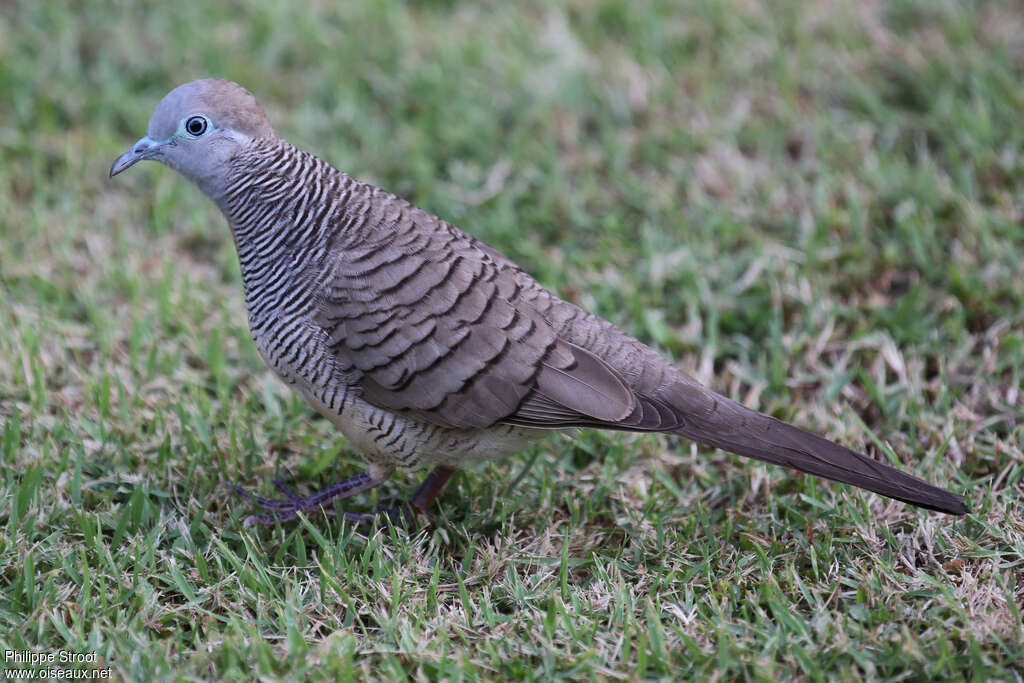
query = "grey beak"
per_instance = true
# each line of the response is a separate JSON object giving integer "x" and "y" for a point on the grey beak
{"x": 139, "y": 151}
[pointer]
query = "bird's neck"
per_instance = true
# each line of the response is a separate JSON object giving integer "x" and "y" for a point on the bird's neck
{"x": 281, "y": 209}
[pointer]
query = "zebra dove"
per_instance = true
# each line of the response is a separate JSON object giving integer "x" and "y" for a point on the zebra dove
{"x": 425, "y": 346}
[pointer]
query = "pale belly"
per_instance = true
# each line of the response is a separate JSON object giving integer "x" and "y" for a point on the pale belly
{"x": 389, "y": 440}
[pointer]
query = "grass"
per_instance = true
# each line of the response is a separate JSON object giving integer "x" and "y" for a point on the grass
{"x": 816, "y": 208}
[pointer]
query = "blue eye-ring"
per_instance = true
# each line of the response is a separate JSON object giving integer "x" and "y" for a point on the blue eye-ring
{"x": 196, "y": 125}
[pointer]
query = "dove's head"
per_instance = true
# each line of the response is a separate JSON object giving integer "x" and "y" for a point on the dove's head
{"x": 197, "y": 128}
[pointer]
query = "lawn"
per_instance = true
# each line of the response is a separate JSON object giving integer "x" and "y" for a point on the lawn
{"x": 818, "y": 209}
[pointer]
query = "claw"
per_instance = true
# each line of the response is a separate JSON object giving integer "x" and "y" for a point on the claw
{"x": 321, "y": 501}
{"x": 404, "y": 514}
{"x": 288, "y": 493}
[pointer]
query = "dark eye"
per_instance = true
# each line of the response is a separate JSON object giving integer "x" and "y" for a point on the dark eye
{"x": 196, "y": 125}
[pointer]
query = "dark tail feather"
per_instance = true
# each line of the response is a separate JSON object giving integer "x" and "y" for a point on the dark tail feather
{"x": 731, "y": 427}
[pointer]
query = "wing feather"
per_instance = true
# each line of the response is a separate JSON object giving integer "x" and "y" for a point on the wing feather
{"x": 435, "y": 325}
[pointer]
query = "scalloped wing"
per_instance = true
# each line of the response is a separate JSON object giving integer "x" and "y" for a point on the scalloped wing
{"x": 431, "y": 324}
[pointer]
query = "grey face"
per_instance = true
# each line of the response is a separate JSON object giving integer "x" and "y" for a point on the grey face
{"x": 196, "y": 129}
{"x": 174, "y": 146}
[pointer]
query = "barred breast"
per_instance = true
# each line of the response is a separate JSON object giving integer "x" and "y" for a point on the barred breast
{"x": 290, "y": 214}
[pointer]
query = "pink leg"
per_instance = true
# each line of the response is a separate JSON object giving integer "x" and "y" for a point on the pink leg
{"x": 431, "y": 486}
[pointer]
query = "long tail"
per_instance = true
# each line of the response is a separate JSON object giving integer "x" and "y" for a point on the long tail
{"x": 732, "y": 427}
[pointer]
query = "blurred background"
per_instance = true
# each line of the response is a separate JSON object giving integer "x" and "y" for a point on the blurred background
{"x": 814, "y": 207}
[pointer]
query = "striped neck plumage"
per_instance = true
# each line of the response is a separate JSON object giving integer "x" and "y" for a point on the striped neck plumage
{"x": 262, "y": 179}
{"x": 280, "y": 213}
